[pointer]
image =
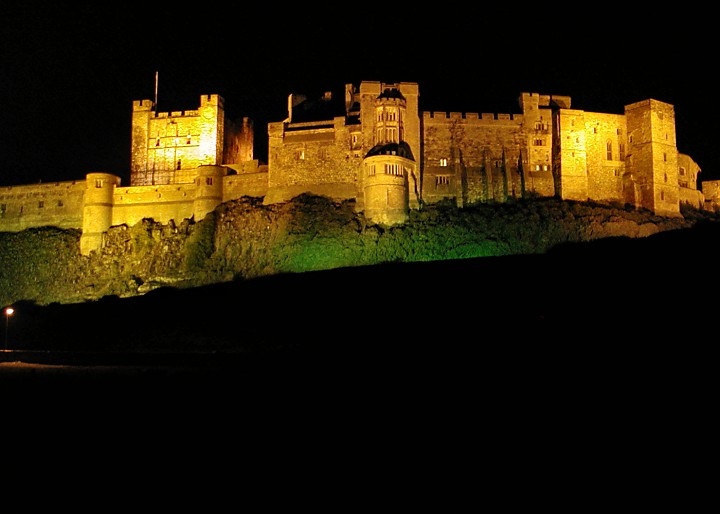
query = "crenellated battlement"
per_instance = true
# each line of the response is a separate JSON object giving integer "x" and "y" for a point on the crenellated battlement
{"x": 484, "y": 118}
{"x": 178, "y": 114}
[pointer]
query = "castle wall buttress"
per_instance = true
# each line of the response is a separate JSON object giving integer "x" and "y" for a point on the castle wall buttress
{"x": 654, "y": 156}
{"x": 572, "y": 155}
{"x": 538, "y": 127}
{"x": 471, "y": 158}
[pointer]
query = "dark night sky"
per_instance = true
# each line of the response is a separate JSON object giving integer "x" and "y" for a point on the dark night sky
{"x": 68, "y": 76}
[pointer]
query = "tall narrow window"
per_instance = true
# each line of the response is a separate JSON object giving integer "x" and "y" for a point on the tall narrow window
{"x": 608, "y": 150}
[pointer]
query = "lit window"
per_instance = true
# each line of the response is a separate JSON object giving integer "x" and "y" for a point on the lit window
{"x": 443, "y": 162}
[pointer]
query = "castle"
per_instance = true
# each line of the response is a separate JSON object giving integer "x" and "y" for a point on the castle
{"x": 374, "y": 146}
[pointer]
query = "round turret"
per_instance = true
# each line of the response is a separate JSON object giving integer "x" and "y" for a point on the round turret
{"x": 97, "y": 209}
{"x": 385, "y": 183}
{"x": 208, "y": 190}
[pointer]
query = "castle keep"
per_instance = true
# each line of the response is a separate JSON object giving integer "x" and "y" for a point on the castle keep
{"x": 373, "y": 145}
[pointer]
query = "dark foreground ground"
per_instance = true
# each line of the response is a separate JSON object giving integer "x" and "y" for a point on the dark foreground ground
{"x": 616, "y": 309}
{"x": 582, "y": 378}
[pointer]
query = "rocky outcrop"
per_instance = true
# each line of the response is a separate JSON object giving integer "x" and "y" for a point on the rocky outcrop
{"x": 244, "y": 239}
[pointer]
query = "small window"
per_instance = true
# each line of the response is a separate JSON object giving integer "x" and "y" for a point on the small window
{"x": 538, "y": 142}
{"x": 41, "y": 204}
{"x": 608, "y": 150}
{"x": 442, "y": 180}
{"x": 208, "y": 181}
{"x": 619, "y": 132}
{"x": 179, "y": 164}
{"x": 98, "y": 182}
{"x": 157, "y": 141}
{"x": 664, "y": 157}
{"x": 443, "y": 162}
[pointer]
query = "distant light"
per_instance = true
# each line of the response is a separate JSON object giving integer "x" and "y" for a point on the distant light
{"x": 9, "y": 311}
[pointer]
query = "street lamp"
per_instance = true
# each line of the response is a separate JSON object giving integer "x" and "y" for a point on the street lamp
{"x": 8, "y": 312}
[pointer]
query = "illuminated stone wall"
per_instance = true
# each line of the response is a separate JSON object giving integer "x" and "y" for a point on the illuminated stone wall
{"x": 58, "y": 204}
{"x": 471, "y": 157}
{"x": 311, "y": 157}
{"x": 168, "y": 146}
{"x": 549, "y": 149}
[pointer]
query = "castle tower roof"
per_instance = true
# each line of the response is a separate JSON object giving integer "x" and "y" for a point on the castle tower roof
{"x": 401, "y": 149}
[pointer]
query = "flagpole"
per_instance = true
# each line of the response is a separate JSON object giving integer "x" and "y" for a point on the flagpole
{"x": 156, "y": 92}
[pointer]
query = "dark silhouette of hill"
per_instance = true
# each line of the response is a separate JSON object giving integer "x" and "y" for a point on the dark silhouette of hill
{"x": 620, "y": 289}
{"x": 588, "y": 338}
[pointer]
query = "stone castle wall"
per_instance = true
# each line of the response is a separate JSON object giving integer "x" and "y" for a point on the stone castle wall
{"x": 59, "y": 204}
{"x": 311, "y": 157}
{"x": 185, "y": 163}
